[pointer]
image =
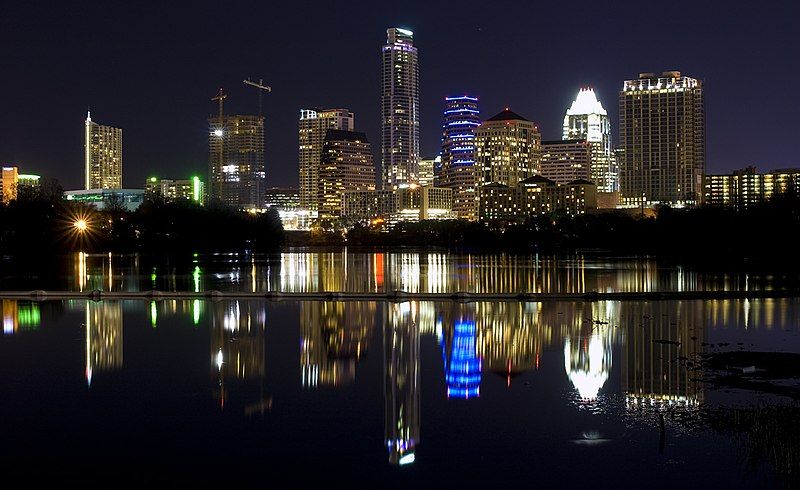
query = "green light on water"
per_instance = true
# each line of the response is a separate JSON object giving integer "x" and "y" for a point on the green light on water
{"x": 28, "y": 316}
{"x": 196, "y": 311}
{"x": 153, "y": 313}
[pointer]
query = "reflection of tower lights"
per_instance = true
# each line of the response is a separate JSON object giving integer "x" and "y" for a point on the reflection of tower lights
{"x": 401, "y": 384}
{"x": 230, "y": 321}
{"x": 103, "y": 337}
{"x": 9, "y": 316}
{"x": 463, "y": 371}
{"x": 588, "y": 364}
{"x": 196, "y": 311}
{"x": 153, "y": 313}
{"x": 82, "y": 275}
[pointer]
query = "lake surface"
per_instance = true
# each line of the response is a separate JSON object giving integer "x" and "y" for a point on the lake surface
{"x": 344, "y": 270}
{"x": 366, "y": 394}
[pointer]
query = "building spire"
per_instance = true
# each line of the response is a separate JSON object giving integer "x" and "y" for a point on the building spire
{"x": 88, "y": 114}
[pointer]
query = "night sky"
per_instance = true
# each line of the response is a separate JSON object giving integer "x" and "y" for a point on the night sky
{"x": 151, "y": 68}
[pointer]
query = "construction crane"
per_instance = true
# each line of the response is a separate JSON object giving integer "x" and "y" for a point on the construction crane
{"x": 261, "y": 88}
{"x": 220, "y": 97}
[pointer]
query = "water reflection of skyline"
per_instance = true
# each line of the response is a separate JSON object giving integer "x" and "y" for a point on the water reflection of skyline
{"x": 407, "y": 271}
{"x": 637, "y": 349}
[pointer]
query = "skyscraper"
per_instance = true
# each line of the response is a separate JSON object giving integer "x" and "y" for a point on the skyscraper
{"x": 400, "y": 110}
{"x": 663, "y": 140}
{"x": 586, "y": 119}
{"x": 9, "y": 178}
{"x": 103, "y": 155}
{"x": 314, "y": 123}
{"x": 508, "y": 149}
{"x": 458, "y": 171}
{"x": 236, "y": 160}
{"x": 346, "y": 166}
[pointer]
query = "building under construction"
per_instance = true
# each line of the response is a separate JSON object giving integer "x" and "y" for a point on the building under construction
{"x": 236, "y": 160}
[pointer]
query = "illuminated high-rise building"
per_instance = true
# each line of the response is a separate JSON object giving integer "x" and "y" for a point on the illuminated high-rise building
{"x": 236, "y": 161}
{"x": 9, "y": 178}
{"x": 662, "y": 133}
{"x": 508, "y": 149}
{"x": 313, "y": 126}
{"x": 458, "y": 170}
{"x": 103, "y": 155}
{"x": 400, "y": 110}
{"x": 346, "y": 165}
{"x": 586, "y": 119}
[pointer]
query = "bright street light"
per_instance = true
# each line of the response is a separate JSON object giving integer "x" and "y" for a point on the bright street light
{"x": 81, "y": 225}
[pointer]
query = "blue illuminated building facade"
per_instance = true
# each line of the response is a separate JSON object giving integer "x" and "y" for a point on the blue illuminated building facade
{"x": 458, "y": 171}
{"x": 463, "y": 368}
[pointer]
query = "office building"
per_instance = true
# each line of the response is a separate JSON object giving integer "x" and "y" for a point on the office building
{"x": 405, "y": 204}
{"x": 346, "y": 165}
{"x": 745, "y": 188}
{"x": 458, "y": 170}
{"x": 130, "y": 199}
{"x": 236, "y": 161}
{"x": 566, "y": 160}
{"x": 28, "y": 181}
{"x": 192, "y": 190}
{"x": 535, "y": 196}
{"x": 663, "y": 138}
{"x": 508, "y": 149}
{"x": 427, "y": 170}
{"x": 103, "y": 155}
{"x": 586, "y": 119}
{"x": 399, "y": 110}
{"x": 282, "y": 197}
{"x": 313, "y": 126}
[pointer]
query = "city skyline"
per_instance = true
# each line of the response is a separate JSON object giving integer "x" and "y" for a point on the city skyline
{"x": 129, "y": 88}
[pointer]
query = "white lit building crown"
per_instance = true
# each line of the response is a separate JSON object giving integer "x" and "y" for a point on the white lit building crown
{"x": 586, "y": 103}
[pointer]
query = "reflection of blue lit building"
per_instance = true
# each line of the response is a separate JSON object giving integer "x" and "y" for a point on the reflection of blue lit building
{"x": 463, "y": 369}
{"x": 457, "y": 170}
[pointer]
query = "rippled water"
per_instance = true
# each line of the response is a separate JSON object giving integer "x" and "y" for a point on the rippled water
{"x": 362, "y": 394}
{"x": 343, "y": 270}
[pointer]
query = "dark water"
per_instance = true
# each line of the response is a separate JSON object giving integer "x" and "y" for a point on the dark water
{"x": 377, "y": 394}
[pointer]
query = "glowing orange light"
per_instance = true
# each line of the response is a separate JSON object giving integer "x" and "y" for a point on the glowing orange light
{"x": 81, "y": 225}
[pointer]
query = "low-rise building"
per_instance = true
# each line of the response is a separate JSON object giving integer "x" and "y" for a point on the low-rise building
{"x": 535, "y": 196}
{"x": 130, "y": 199}
{"x": 176, "y": 190}
{"x": 405, "y": 204}
{"x": 746, "y": 187}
